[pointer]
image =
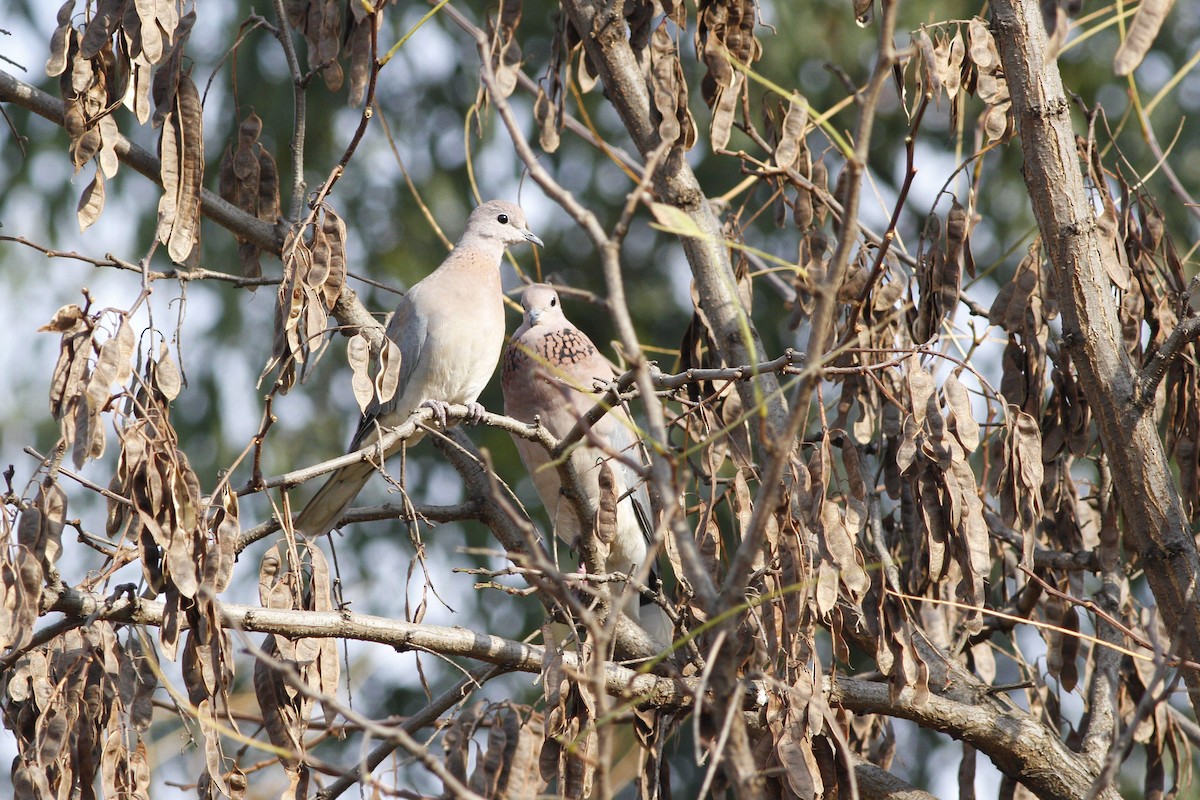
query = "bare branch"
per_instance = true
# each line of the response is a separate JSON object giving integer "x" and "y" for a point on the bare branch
{"x": 421, "y": 719}
{"x": 283, "y": 32}
{"x": 1017, "y": 743}
{"x": 399, "y": 511}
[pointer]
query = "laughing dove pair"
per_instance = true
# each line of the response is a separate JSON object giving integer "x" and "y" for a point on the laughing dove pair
{"x": 449, "y": 328}
{"x": 550, "y": 369}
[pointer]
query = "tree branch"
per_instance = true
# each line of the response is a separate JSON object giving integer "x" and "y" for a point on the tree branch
{"x": 1014, "y": 740}
{"x": 1018, "y": 744}
{"x": 283, "y": 32}
{"x": 224, "y": 214}
{"x": 876, "y": 783}
{"x": 423, "y": 718}
{"x": 1152, "y": 374}
{"x": 471, "y": 509}
{"x": 651, "y": 690}
{"x": 517, "y": 535}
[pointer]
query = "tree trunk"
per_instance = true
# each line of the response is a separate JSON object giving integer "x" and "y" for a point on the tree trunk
{"x": 1155, "y": 523}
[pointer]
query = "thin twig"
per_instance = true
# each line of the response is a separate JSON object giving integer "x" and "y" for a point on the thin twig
{"x": 392, "y": 734}
{"x": 1141, "y": 641}
{"x": 175, "y": 273}
{"x": 82, "y": 481}
{"x": 471, "y": 509}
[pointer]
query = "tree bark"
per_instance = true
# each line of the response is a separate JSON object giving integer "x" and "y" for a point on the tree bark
{"x": 1017, "y": 743}
{"x": 1155, "y": 524}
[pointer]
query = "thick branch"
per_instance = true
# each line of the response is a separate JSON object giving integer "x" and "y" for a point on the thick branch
{"x": 876, "y": 783}
{"x": 1017, "y": 743}
{"x": 1155, "y": 522}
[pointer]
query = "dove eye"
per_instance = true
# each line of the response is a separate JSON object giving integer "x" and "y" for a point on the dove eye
{"x": 502, "y": 219}
{"x": 553, "y": 302}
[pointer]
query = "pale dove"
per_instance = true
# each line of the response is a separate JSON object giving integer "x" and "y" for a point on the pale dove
{"x": 449, "y": 328}
{"x": 549, "y": 372}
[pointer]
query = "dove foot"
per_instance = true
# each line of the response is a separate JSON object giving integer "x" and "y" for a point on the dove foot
{"x": 440, "y": 409}
{"x": 475, "y": 412}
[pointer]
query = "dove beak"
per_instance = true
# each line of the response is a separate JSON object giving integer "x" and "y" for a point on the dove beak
{"x": 533, "y": 314}
{"x": 531, "y": 238}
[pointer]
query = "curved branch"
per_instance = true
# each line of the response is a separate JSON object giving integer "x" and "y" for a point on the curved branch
{"x": 1017, "y": 743}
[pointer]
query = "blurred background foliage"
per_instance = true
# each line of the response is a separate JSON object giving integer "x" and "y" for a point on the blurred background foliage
{"x": 426, "y": 100}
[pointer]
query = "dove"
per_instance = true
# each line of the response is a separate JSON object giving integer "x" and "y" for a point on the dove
{"x": 550, "y": 368}
{"x": 449, "y": 328}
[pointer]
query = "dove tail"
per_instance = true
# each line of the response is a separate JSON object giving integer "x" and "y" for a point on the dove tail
{"x": 331, "y": 500}
{"x": 655, "y": 622}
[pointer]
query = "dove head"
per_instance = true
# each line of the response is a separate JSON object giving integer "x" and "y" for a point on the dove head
{"x": 541, "y": 305}
{"x": 499, "y": 222}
